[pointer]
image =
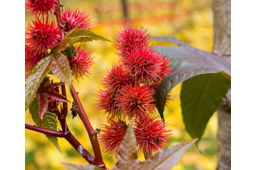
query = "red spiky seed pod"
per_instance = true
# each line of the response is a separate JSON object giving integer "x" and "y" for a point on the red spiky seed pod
{"x": 136, "y": 101}
{"x": 106, "y": 100}
{"x": 72, "y": 18}
{"x": 116, "y": 78}
{"x": 31, "y": 59}
{"x": 41, "y": 7}
{"x": 144, "y": 65}
{"x": 131, "y": 38}
{"x": 81, "y": 64}
{"x": 111, "y": 135}
{"x": 151, "y": 135}
{"x": 165, "y": 66}
{"x": 42, "y": 35}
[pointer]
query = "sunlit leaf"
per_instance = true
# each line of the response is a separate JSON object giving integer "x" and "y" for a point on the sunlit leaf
{"x": 78, "y": 35}
{"x": 34, "y": 79}
{"x": 84, "y": 35}
{"x": 49, "y": 121}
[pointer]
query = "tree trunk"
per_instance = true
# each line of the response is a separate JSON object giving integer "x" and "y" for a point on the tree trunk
{"x": 222, "y": 47}
{"x": 124, "y": 8}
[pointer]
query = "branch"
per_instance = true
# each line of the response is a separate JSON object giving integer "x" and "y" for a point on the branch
{"x": 45, "y": 131}
{"x": 81, "y": 150}
{"x": 92, "y": 135}
{"x": 69, "y": 137}
{"x": 89, "y": 128}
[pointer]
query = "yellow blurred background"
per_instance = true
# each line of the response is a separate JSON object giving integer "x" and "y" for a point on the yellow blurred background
{"x": 188, "y": 20}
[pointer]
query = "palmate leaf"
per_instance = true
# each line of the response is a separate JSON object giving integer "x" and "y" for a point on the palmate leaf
{"x": 61, "y": 68}
{"x": 34, "y": 79}
{"x": 186, "y": 62}
{"x": 127, "y": 157}
{"x": 49, "y": 121}
{"x": 167, "y": 158}
{"x": 200, "y": 98}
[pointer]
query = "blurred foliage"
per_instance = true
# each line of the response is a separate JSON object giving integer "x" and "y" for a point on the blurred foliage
{"x": 188, "y": 20}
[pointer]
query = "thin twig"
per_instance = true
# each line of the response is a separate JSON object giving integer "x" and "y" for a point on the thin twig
{"x": 45, "y": 131}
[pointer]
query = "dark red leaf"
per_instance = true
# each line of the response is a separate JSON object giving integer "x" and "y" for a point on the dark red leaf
{"x": 57, "y": 97}
{"x": 48, "y": 92}
{"x": 56, "y": 85}
{"x": 43, "y": 104}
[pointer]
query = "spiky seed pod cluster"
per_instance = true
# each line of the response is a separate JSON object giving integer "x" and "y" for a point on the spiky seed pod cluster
{"x": 128, "y": 91}
{"x": 151, "y": 135}
{"x": 115, "y": 80}
{"x": 44, "y": 34}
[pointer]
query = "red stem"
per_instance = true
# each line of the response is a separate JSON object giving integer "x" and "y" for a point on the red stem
{"x": 59, "y": 20}
{"x": 45, "y": 131}
{"x": 63, "y": 88}
{"x": 89, "y": 128}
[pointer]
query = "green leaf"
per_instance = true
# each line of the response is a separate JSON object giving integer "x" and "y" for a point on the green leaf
{"x": 49, "y": 121}
{"x": 186, "y": 62}
{"x": 81, "y": 167}
{"x": 127, "y": 156}
{"x": 61, "y": 68}
{"x": 200, "y": 98}
{"x": 34, "y": 79}
{"x": 84, "y": 35}
{"x": 167, "y": 158}
{"x": 78, "y": 35}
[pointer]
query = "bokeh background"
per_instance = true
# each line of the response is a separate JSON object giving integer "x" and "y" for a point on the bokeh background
{"x": 188, "y": 20}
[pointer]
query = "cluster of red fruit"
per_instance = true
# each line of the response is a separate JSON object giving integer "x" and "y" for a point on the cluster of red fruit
{"x": 45, "y": 34}
{"x": 128, "y": 92}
